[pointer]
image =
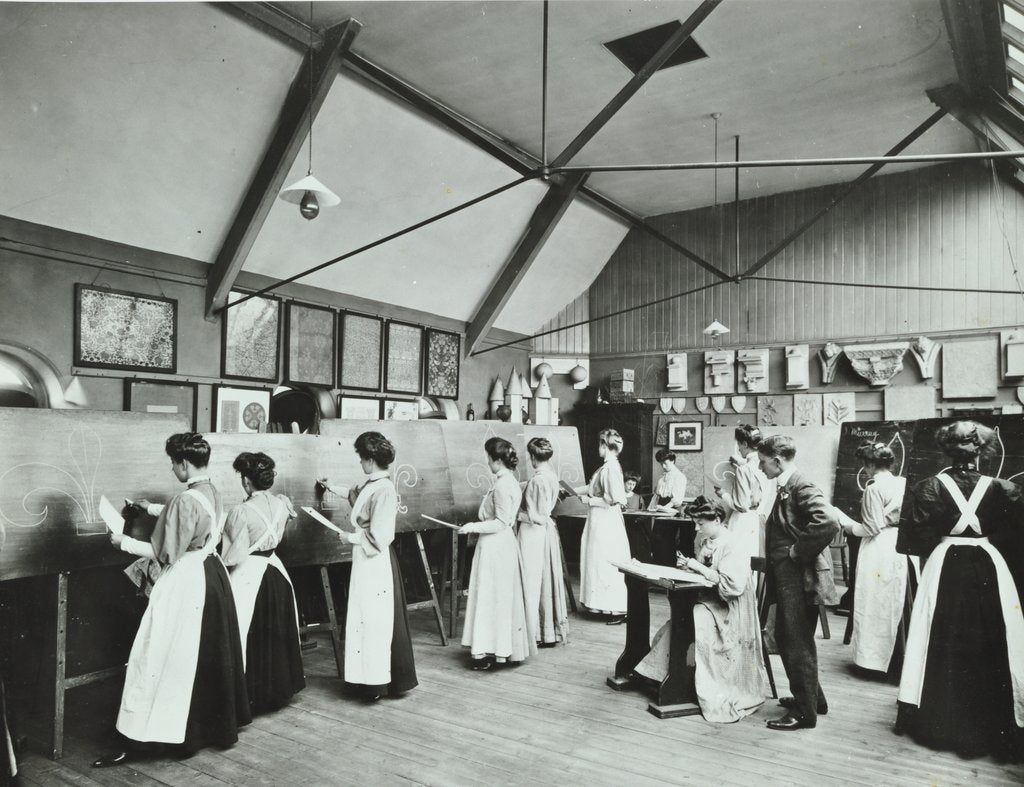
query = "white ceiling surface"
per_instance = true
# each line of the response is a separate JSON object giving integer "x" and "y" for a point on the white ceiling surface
{"x": 393, "y": 168}
{"x": 137, "y": 123}
{"x": 793, "y": 78}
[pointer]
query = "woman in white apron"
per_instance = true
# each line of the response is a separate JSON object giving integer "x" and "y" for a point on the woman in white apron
{"x": 962, "y": 686}
{"x": 541, "y": 548}
{"x": 499, "y": 624}
{"x": 742, "y": 490}
{"x": 267, "y": 617}
{"x": 378, "y": 649}
{"x": 881, "y": 585}
{"x": 185, "y": 683}
{"x": 602, "y": 588}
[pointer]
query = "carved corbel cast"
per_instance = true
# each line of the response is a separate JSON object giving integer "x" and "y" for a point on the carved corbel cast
{"x": 753, "y": 371}
{"x": 877, "y": 363}
{"x": 925, "y": 352}
{"x": 719, "y": 372}
{"x": 676, "y": 372}
{"x": 798, "y": 373}
{"x": 829, "y": 356}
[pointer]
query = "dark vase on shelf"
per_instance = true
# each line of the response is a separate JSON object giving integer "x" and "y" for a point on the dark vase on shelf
{"x": 504, "y": 413}
{"x": 470, "y": 413}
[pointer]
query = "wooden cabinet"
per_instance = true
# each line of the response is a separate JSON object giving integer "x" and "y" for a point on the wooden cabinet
{"x": 635, "y": 422}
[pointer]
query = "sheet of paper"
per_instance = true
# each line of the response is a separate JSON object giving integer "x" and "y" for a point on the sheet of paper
{"x": 567, "y": 489}
{"x": 322, "y": 519}
{"x": 110, "y": 515}
{"x": 441, "y": 522}
{"x": 653, "y": 571}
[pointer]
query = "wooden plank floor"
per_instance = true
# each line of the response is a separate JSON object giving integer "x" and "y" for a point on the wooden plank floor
{"x": 548, "y": 721}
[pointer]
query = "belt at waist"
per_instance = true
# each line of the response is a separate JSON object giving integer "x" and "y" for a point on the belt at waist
{"x": 263, "y": 553}
{"x": 960, "y": 541}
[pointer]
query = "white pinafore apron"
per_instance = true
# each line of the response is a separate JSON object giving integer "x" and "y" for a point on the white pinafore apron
{"x": 912, "y": 679}
{"x": 162, "y": 665}
{"x": 881, "y": 595}
{"x": 246, "y": 579}
{"x": 369, "y": 624}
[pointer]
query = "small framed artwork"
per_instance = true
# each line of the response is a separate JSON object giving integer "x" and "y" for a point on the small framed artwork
{"x": 403, "y": 353}
{"x": 250, "y": 339}
{"x": 396, "y": 410}
{"x": 240, "y": 409}
{"x": 309, "y": 345}
{"x": 162, "y": 396}
{"x": 685, "y": 436}
{"x": 124, "y": 330}
{"x": 442, "y": 366}
{"x": 362, "y": 408}
{"x": 361, "y": 340}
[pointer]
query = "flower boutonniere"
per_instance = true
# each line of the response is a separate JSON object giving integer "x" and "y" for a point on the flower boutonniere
{"x": 784, "y": 494}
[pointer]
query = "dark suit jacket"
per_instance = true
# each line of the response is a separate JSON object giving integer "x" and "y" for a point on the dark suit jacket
{"x": 802, "y": 513}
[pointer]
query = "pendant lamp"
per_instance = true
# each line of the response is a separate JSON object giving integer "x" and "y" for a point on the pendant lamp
{"x": 309, "y": 193}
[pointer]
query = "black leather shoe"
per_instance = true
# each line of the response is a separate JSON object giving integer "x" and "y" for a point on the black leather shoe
{"x": 616, "y": 620}
{"x": 113, "y": 760}
{"x": 788, "y": 722}
{"x": 790, "y": 702}
{"x": 480, "y": 664}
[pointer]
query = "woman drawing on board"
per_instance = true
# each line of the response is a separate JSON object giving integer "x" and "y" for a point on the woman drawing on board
{"x": 962, "y": 686}
{"x": 378, "y": 649}
{"x": 541, "y": 548}
{"x": 267, "y": 616}
{"x": 602, "y": 588}
{"x": 880, "y": 586}
{"x": 185, "y": 684}
{"x": 729, "y": 676}
{"x": 499, "y": 625}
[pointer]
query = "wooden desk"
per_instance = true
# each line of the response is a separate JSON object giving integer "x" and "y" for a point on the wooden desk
{"x": 677, "y": 695}
{"x": 641, "y": 543}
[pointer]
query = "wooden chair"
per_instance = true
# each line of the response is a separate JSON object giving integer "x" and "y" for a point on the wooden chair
{"x": 839, "y": 542}
{"x": 759, "y": 565}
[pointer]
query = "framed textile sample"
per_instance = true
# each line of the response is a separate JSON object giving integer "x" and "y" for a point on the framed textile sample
{"x": 686, "y": 436}
{"x": 395, "y": 410}
{"x": 442, "y": 366}
{"x": 361, "y": 340}
{"x": 124, "y": 330}
{"x": 309, "y": 345}
{"x": 249, "y": 339}
{"x": 240, "y": 409}
{"x": 161, "y": 396}
{"x": 363, "y": 408}
{"x": 403, "y": 353}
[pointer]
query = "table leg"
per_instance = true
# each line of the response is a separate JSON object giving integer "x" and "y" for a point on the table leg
{"x": 638, "y": 632}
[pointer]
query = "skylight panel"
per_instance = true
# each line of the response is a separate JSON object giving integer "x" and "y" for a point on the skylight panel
{"x": 1013, "y": 16}
{"x": 1017, "y": 83}
{"x": 1015, "y": 53}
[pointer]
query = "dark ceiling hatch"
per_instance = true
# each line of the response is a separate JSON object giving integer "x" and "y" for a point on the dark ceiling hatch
{"x": 636, "y": 49}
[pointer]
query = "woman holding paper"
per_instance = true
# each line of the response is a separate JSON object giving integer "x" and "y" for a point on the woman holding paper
{"x": 729, "y": 677}
{"x": 602, "y": 587}
{"x": 185, "y": 684}
{"x": 541, "y": 548}
{"x": 742, "y": 489}
{"x": 499, "y": 624}
{"x": 267, "y": 616}
{"x": 378, "y": 649}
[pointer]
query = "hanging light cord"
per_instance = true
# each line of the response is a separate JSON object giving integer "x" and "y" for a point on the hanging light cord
{"x": 309, "y": 107}
{"x": 544, "y": 94}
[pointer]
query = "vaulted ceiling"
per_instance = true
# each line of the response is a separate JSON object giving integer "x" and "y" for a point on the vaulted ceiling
{"x": 143, "y": 124}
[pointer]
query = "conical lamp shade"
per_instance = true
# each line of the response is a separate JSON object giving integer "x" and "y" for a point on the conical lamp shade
{"x": 716, "y": 329}
{"x": 295, "y": 192}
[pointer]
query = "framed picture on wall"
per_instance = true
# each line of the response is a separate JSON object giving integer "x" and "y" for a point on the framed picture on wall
{"x": 396, "y": 410}
{"x": 250, "y": 338}
{"x": 238, "y": 409}
{"x": 125, "y": 330}
{"x": 162, "y": 396}
{"x": 309, "y": 345}
{"x": 361, "y": 344}
{"x": 362, "y": 408}
{"x": 403, "y": 353}
{"x": 442, "y": 365}
{"x": 685, "y": 436}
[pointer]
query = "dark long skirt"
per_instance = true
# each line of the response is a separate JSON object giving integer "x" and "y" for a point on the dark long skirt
{"x": 966, "y": 701}
{"x": 8, "y": 766}
{"x": 220, "y": 703}
{"x": 273, "y": 669}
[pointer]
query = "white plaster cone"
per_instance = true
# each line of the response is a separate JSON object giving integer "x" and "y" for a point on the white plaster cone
{"x": 525, "y": 386}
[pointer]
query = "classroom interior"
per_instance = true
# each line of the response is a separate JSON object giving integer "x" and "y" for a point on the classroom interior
{"x": 527, "y": 220}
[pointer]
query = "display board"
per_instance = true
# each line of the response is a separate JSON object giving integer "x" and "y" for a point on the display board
{"x": 850, "y": 478}
{"x": 55, "y": 465}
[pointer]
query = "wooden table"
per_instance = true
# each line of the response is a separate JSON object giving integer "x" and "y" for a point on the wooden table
{"x": 639, "y": 530}
{"x": 677, "y": 695}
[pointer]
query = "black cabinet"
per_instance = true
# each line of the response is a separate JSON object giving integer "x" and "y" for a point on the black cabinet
{"x": 635, "y": 422}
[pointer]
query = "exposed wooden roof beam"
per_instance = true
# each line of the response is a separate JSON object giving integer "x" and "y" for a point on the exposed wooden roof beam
{"x": 299, "y": 107}
{"x": 974, "y": 35}
{"x": 543, "y": 222}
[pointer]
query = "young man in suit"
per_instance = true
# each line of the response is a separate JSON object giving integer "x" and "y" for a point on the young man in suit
{"x": 798, "y": 533}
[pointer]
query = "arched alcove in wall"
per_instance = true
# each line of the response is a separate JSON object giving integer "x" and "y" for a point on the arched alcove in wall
{"x": 29, "y": 379}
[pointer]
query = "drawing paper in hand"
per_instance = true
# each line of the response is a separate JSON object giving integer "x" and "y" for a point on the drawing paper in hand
{"x": 322, "y": 519}
{"x": 110, "y": 515}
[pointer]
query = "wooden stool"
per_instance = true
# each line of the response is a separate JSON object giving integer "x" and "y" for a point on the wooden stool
{"x": 758, "y": 565}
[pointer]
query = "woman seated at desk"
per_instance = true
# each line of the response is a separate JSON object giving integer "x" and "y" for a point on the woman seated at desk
{"x": 667, "y": 499}
{"x": 730, "y": 677}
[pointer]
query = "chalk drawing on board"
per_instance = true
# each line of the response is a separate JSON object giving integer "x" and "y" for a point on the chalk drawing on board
{"x": 84, "y": 451}
{"x": 722, "y": 474}
{"x": 405, "y": 475}
{"x": 479, "y": 476}
{"x": 900, "y": 452}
